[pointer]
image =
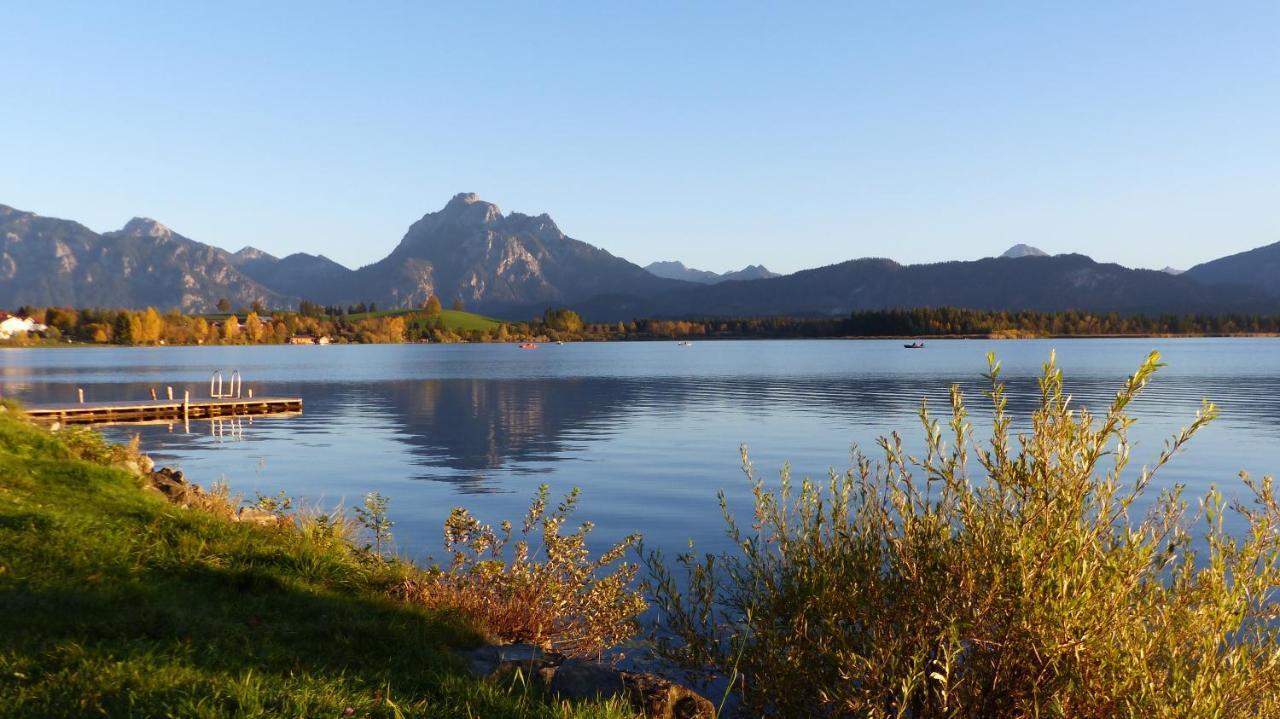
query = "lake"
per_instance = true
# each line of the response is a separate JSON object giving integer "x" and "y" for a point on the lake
{"x": 649, "y": 431}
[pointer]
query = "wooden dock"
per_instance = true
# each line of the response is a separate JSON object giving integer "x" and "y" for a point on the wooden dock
{"x": 158, "y": 410}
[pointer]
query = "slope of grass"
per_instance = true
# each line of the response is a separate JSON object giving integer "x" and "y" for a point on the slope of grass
{"x": 459, "y": 320}
{"x": 114, "y": 602}
{"x": 454, "y": 320}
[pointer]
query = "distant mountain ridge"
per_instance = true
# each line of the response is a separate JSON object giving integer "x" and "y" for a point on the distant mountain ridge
{"x": 48, "y": 261}
{"x": 1045, "y": 283}
{"x": 1258, "y": 268}
{"x": 675, "y": 270}
{"x": 515, "y": 265}
{"x": 298, "y": 275}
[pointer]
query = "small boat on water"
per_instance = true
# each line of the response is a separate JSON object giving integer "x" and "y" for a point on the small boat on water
{"x": 685, "y": 344}
{"x": 528, "y": 346}
{"x": 915, "y": 346}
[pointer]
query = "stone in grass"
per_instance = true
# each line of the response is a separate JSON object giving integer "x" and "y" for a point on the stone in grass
{"x": 578, "y": 679}
{"x": 494, "y": 658}
{"x": 171, "y": 483}
{"x": 253, "y": 515}
{"x": 661, "y": 698}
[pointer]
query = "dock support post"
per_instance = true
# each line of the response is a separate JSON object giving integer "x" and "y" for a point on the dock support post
{"x": 80, "y": 391}
{"x": 169, "y": 392}
{"x": 250, "y": 393}
{"x": 186, "y": 407}
{"x": 153, "y": 394}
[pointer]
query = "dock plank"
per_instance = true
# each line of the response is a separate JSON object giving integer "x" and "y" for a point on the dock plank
{"x": 151, "y": 410}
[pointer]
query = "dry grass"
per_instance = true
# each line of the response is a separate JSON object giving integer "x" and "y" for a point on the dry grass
{"x": 916, "y": 587}
{"x": 550, "y": 593}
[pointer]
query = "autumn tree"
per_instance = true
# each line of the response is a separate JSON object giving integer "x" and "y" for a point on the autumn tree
{"x": 150, "y": 327}
{"x": 231, "y": 328}
{"x": 253, "y": 327}
{"x": 65, "y": 319}
{"x": 432, "y": 306}
{"x": 562, "y": 320}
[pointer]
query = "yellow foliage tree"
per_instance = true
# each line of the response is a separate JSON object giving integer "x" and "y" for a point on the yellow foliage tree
{"x": 253, "y": 327}
{"x": 150, "y": 326}
{"x": 231, "y": 328}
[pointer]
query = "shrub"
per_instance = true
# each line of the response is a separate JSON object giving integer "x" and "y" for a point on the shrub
{"x": 85, "y": 444}
{"x": 553, "y": 595}
{"x": 374, "y": 519}
{"x": 915, "y": 588}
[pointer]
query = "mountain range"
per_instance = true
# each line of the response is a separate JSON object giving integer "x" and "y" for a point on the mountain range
{"x": 514, "y": 265}
{"x": 677, "y": 271}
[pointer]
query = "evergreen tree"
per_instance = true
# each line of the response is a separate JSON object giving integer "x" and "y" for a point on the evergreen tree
{"x": 122, "y": 330}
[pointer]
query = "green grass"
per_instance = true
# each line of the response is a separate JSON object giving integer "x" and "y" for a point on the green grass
{"x": 114, "y": 602}
{"x": 453, "y": 319}
{"x": 459, "y": 320}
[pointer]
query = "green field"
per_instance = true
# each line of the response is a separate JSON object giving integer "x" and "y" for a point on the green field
{"x": 453, "y": 319}
{"x": 114, "y": 602}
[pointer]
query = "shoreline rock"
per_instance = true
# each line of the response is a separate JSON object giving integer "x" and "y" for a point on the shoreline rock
{"x": 171, "y": 483}
{"x": 580, "y": 679}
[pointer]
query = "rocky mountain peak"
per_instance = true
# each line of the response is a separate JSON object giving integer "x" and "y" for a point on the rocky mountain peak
{"x": 249, "y": 254}
{"x": 1021, "y": 250}
{"x": 468, "y": 208}
{"x": 666, "y": 265}
{"x": 145, "y": 227}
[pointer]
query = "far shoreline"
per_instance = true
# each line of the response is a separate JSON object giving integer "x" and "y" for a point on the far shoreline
{"x": 643, "y": 340}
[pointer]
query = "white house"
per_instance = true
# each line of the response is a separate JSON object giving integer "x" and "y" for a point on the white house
{"x": 11, "y": 326}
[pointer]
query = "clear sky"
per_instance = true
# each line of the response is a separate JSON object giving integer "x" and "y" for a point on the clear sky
{"x": 720, "y": 134}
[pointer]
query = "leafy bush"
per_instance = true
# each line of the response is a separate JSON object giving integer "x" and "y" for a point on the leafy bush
{"x": 374, "y": 519}
{"x": 915, "y": 588}
{"x": 553, "y": 595}
{"x": 85, "y": 444}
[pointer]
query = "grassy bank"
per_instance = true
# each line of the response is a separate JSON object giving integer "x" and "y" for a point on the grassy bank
{"x": 453, "y": 320}
{"x": 116, "y": 602}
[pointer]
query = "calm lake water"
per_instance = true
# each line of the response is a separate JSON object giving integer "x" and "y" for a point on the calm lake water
{"x": 649, "y": 431}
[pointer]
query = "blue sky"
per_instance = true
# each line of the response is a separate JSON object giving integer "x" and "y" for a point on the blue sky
{"x": 719, "y": 134}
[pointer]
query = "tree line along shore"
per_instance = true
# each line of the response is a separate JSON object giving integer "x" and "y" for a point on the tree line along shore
{"x": 312, "y": 323}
